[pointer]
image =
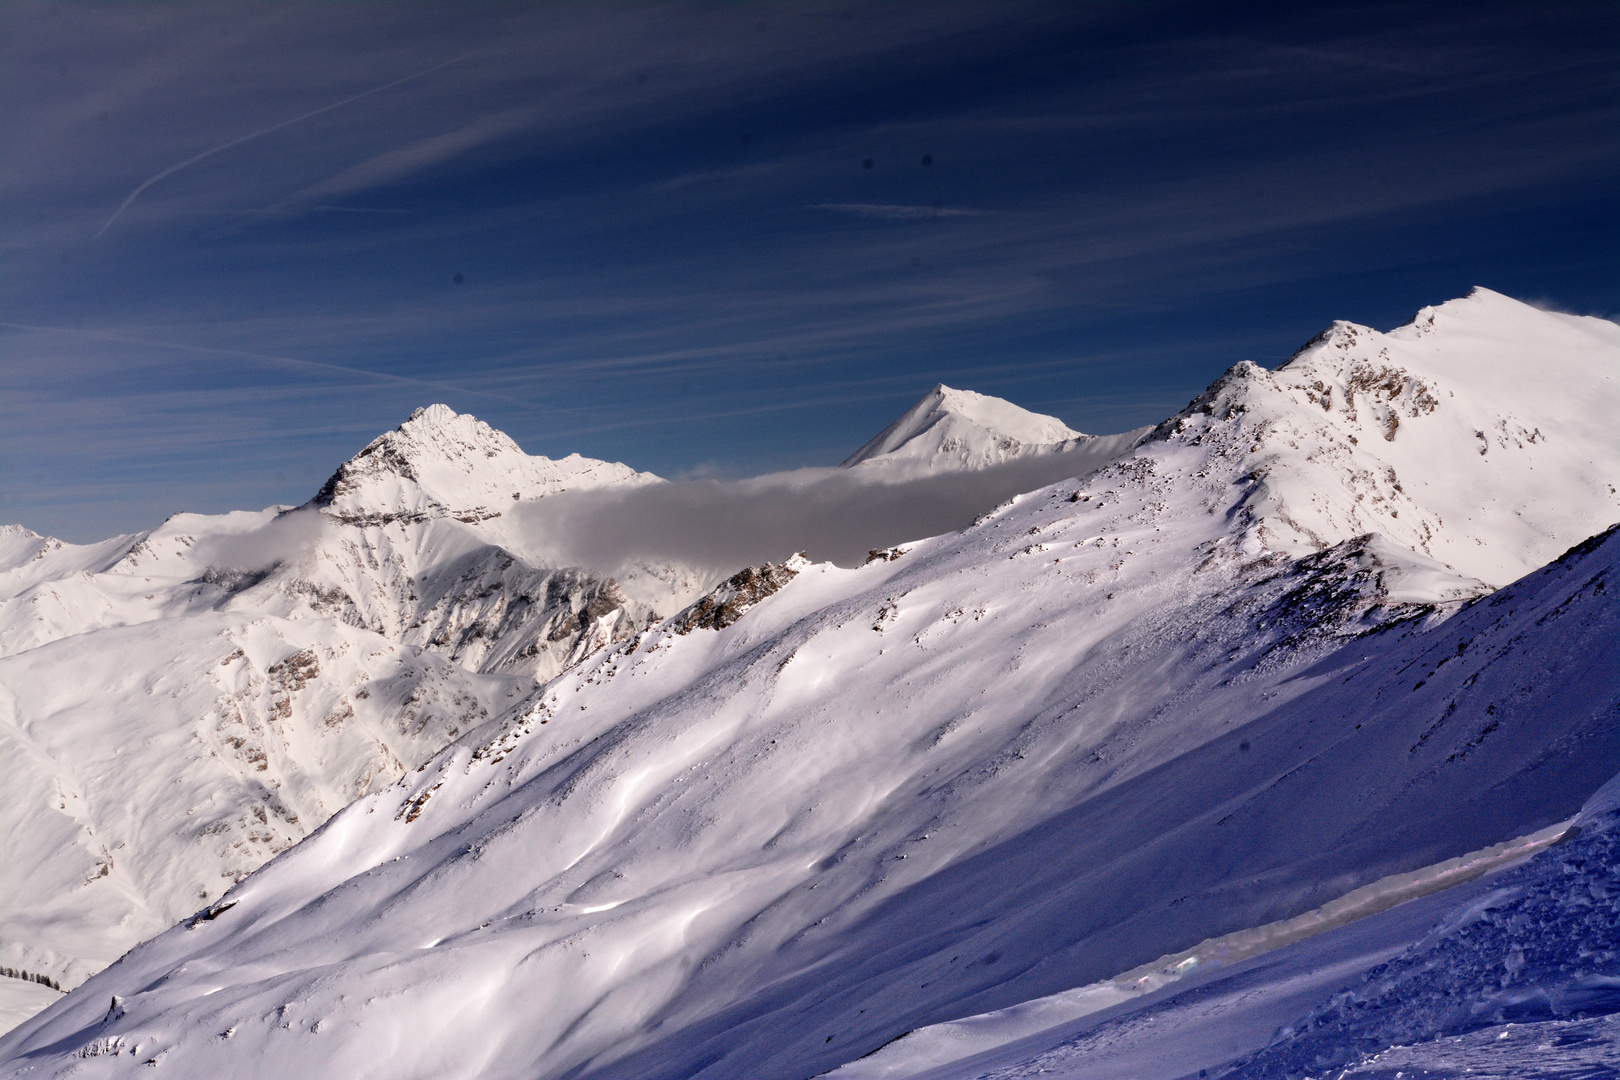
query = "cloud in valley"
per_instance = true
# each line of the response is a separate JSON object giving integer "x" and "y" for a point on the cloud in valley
{"x": 835, "y": 515}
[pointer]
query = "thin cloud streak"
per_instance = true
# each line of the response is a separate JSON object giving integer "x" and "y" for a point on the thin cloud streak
{"x": 172, "y": 169}
{"x": 651, "y": 236}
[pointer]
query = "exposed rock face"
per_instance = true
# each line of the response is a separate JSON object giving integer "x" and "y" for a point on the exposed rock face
{"x": 727, "y": 603}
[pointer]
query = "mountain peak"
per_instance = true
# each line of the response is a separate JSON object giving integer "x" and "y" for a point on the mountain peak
{"x": 441, "y": 463}
{"x": 1398, "y": 433}
{"x": 436, "y": 414}
{"x": 966, "y": 430}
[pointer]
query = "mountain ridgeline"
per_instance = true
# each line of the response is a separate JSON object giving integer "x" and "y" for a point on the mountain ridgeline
{"x": 760, "y": 822}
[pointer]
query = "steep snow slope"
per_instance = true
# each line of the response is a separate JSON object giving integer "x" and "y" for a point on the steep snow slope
{"x": 341, "y": 616}
{"x": 959, "y": 429}
{"x": 178, "y": 706}
{"x": 1114, "y": 718}
{"x": 1508, "y": 978}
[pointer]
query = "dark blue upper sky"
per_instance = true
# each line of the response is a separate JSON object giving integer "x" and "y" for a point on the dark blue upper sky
{"x": 733, "y": 238}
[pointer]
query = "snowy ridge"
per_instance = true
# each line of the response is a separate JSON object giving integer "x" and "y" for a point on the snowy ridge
{"x": 1091, "y": 730}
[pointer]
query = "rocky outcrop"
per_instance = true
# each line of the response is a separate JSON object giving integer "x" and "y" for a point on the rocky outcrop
{"x": 732, "y": 598}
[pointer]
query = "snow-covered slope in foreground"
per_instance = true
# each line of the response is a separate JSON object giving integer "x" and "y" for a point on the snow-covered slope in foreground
{"x": 1511, "y": 977}
{"x": 1118, "y": 716}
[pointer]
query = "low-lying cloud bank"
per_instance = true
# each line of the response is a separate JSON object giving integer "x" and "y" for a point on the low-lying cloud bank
{"x": 711, "y": 526}
{"x": 836, "y": 515}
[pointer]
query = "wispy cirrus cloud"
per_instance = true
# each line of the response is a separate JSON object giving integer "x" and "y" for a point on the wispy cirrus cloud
{"x": 395, "y": 165}
{"x": 650, "y": 232}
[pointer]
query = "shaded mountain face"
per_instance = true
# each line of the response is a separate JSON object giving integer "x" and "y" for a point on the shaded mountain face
{"x": 1248, "y": 666}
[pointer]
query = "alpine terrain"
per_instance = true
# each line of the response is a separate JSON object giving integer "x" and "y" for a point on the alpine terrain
{"x": 181, "y": 705}
{"x": 1113, "y": 759}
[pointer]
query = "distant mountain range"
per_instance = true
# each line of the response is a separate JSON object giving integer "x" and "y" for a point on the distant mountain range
{"x": 289, "y": 660}
{"x": 762, "y": 822}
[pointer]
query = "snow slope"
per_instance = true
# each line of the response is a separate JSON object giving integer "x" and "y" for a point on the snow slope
{"x": 1511, "y": 977}
{"x": 1540, "y": 950}
{"x": 178, "y": 706}
{"x": 1202, "y": 689}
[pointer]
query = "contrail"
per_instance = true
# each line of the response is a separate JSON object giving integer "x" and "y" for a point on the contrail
{"x": 172, "y": 169}
{"x": 292, "y": 362}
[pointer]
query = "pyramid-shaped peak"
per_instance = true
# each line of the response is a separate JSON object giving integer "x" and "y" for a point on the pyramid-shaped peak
{"x": 434, "y": 415}
{"x": 440, "y": 429}
{"x": 952, "y": 428}
{"x": 1002, "y": 416}
{"x": 441, "y": 463}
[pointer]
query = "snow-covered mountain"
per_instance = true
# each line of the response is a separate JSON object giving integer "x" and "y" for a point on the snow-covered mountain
{"x": 959, "y": 429}
{"x": 180, "y": 705}
{"x": 441, "y": 463}
{"x": 1209, "y": 686}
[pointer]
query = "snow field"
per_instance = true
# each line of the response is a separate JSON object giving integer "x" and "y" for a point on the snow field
{"x": 1176, "y": 698}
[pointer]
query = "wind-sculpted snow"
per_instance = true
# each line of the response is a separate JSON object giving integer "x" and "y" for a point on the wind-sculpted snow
{"x": 1207, "y": 686}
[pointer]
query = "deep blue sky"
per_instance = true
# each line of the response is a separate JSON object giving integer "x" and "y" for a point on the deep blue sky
{"x": 650, "y": 233}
